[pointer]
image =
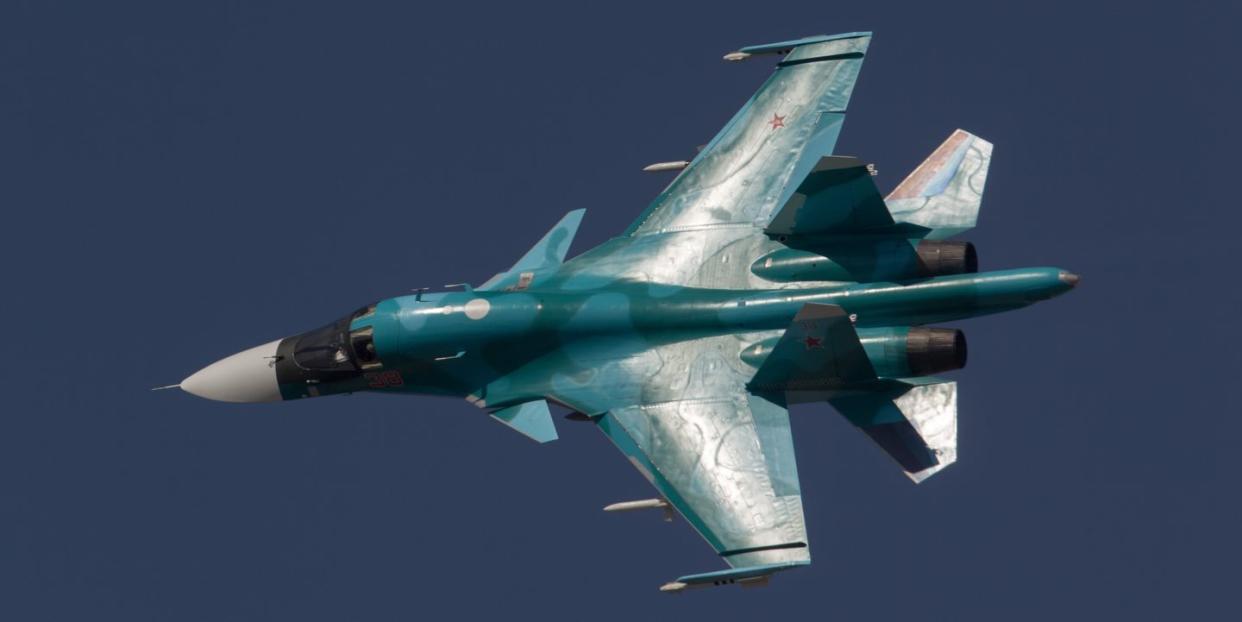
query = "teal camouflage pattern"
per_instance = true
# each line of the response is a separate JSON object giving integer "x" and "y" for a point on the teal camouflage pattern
{"x": 768, "y": 272}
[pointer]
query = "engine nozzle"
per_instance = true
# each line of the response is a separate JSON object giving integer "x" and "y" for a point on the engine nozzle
{"x": 935, "y": 350}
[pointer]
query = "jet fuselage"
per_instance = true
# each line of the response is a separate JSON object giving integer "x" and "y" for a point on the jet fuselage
{"x": 459, "y": 343}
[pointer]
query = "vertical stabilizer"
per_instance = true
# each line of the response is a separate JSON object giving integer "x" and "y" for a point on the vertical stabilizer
{"x": 945, "y": 191}
{"x": 914, "y": 421}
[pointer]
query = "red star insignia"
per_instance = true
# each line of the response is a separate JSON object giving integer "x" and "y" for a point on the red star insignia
{"x": 777, "y": 121}
{"x": 812, "y": 342}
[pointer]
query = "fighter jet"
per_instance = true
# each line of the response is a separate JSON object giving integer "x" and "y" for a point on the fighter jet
{"x": 769, "y": 272}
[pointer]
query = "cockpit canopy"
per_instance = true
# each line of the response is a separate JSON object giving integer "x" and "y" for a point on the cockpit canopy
{"x": 335, "y": 348}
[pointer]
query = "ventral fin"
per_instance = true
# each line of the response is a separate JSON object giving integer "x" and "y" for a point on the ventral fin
{"x": 531, "y": 419}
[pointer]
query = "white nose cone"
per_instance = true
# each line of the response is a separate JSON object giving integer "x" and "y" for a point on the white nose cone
{"x": 248, "y": 376}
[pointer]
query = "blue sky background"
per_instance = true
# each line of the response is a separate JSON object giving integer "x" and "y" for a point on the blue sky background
{"x": 180, "y": 181}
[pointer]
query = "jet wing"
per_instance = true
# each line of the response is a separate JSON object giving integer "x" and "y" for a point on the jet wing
{"x": 716, "y": 209}
{"x": 727, "y": 464}
{"x": 724, "y": 458}
{"x": 743, "y": 174}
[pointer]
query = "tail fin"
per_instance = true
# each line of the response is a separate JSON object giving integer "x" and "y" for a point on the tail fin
{"x": 532, "y": 419}
{"x": 944, "y": 192}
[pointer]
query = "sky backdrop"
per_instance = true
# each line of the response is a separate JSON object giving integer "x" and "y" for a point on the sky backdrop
{"x": 180, "y": 181}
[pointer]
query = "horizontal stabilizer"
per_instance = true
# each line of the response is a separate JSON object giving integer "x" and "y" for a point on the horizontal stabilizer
{"x": 532, "y": 419}
{"x": 838, "y": 196}
{"x": 548, "y": 253}
{"x": 819, "y": 351}
{"x": 944, "y": 193}
{"x": 748, "y": 575}
{"x": 914, "y": 421}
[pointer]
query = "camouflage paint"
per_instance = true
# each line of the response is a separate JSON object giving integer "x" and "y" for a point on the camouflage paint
{"x": 652, "y": 334}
